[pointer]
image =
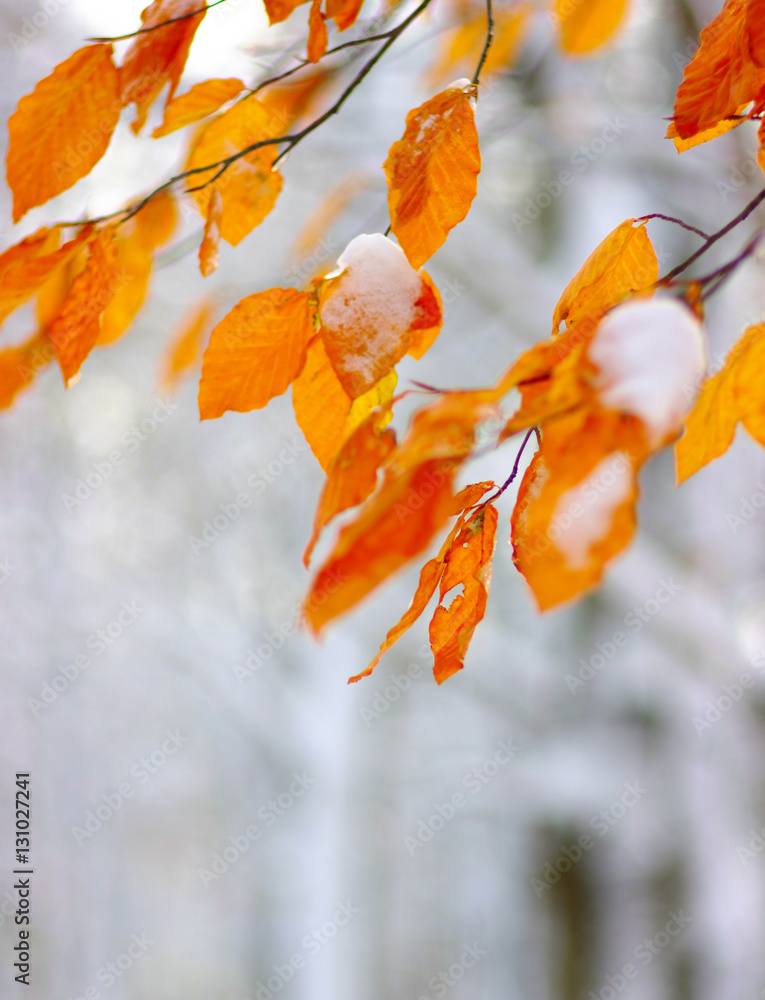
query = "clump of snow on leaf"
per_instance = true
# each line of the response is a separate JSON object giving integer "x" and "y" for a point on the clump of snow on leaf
{"x": 376, "y": 294}
{"x": 651, "y": 359}
{"x": 583, "y": 514}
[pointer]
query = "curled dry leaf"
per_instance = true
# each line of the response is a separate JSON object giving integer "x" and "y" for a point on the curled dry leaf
{"x": 158, "y": 57}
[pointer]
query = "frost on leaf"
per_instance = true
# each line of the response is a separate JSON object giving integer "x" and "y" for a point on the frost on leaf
{"x": 369, "y": 312}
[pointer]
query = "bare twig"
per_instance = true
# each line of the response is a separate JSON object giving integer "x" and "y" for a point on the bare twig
{"x": 487, "y": 44}
{"x": 678, "y": 222}
{"x": 289, "y": 141}
{"x": 711, "y": 240}
{"x": 154, "y": 27}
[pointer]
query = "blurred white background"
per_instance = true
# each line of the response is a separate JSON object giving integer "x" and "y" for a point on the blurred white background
{"x": 340, "y": 876}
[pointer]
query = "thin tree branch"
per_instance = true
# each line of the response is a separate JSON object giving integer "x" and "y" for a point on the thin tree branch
{"x": 711, "y": 240}
{"x": 154, "y": 27}
{"x": 487, "y": 44}
{"x": 678, "y": 222}
{"x": 516, "y": 467}
{"x": 290, "y": 141}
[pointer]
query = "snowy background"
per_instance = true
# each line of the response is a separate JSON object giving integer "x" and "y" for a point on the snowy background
{"x": 553, "y": 736}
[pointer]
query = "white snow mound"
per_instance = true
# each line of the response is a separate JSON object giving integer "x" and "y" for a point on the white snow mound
{"x": 376, "y": 294}
{"x": 584, "y": 514}
{"x": 651, "y": 359}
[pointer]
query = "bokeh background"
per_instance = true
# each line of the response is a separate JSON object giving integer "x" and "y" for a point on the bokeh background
{"x": 598, "y": 741}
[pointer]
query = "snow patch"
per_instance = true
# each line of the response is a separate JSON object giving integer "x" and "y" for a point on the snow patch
{"x": 651, "y": 359}
{"x": 583, "y": 514}
{"x": 375, "y": 296}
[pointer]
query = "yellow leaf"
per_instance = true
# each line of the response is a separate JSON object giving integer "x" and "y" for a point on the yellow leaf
{"x": 585, "y": 25}
{"x": 186, "y": 347}
{"x": 208, "y": 249}
{"x": 321, "y": 404}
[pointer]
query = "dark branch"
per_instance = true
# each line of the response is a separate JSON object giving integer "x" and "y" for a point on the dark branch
{"x": 678, "y": 222}
{"x": 711, "y": 240}
{"x": 154, "y": 27}
{"x": 487, "y": 45}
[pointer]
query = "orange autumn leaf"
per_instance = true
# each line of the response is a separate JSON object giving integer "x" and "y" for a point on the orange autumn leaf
{"x": 432, "y": 172}
{"x": 412, "y": 504}
{"x": 135, "y": 245}
{"x": 317, "y": 33}
{"x": 294, "y": 98}
{"x": 321, "y": 404}
{"x": 352, "y": 476}
{"x": 725, "y": 74}
{"x": 625, "y": 262}
{"x": 255, "y": 352}
{"x": 682, "y": 145}
{"x": 62, "y": 129}
{"x": 428, "y": 321}
{"x": 208, "y": 248}
{"x": 429, "y": 575}
{"x": 158, "y": 57}
{"x": 202, "y": 100}
{"x": 74, "y": 332}
{"x": 462, "y": 44}
{"x": 468, "y": 564}
{"x": 343, "y": 12}
{"x": 390, "y": 530}
{"x": 371, "y": 313}
{"x": 280, "y": 10}
{"x": 19, "y": 365}
{"x": 585, "y": 25}
{"x": 27, "y": 266}
{"x": 250, "y": 186}
{"x": 185, "y": 349}
{"x": 576, "y": 506}
{"x": 732, "y": 396}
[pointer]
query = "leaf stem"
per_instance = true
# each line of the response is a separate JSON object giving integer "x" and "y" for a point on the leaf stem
{"x": 487, "y": 44}
{"x": 155, "y": 27}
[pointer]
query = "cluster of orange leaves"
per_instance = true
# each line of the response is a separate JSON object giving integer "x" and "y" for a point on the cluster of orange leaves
{"x": 343, "y": 373}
